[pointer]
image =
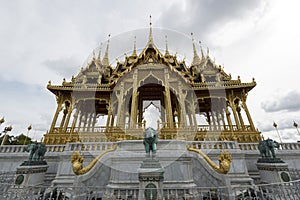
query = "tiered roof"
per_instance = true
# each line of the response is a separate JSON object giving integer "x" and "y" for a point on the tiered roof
{"x": 200, "y": 74}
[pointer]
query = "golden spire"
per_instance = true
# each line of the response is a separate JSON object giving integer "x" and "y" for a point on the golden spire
{"x": 105, "y": 60}
{"x": 207, "y": 53}
{"x": 196, "y": 59}
{"x": 202, "y": 54}
{"x": 2, "y": 119}
{"x": 99, "y": 54}
{"x": 167, "y": 50}
{"x": 134, "y": 47}
{"x": 150, "y": 40}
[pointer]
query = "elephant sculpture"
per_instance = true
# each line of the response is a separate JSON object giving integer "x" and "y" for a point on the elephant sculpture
{"x": 37, "y": 151}
{"x": 267, "y": 148}
{"x": 150, "y": 140}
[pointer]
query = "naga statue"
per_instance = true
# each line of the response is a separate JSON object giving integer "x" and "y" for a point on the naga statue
{"x": 77, "y": 161}
{"x": 224, "y": 160}
{"x": 150, "y": 141}
{"x": 267, "y": 148}
{"x": 37, "y": 151}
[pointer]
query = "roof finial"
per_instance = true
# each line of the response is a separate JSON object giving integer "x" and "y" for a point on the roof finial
{"x": 202, "y": 54}
{"x": 207, "y": 54}
{"x": 99, "y": 54}
{"x": 134, "y": 47}
{"x": 94, "y": 55}
{"x": 105, "y": 60}
{"x": 196, "y": 59}
{"x": 167, "y": 50}
{"x": 150, "y": 41}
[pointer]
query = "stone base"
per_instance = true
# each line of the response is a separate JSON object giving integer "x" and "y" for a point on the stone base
{"x": 270, "y": 160}
{"x": 34, "y": 162}
{"x": 31, "y": 173}
{"x": 273, "y": 172}
{"x": 151, "y": 177}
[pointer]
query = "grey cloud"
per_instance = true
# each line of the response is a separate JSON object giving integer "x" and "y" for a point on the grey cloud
{"x": 265, "y": 126}
{"x": 65, "y": 67}
{"x": 204, "y": 16}
{"x": 288, "y": 102}
{"x": 282, "y": 124}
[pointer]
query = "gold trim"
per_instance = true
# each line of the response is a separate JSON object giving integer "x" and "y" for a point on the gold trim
{"x": 224, "y": 160}
{"x": 77, "y": 161}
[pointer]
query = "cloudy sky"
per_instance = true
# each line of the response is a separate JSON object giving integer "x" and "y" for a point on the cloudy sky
{"x": 50, "y": 40}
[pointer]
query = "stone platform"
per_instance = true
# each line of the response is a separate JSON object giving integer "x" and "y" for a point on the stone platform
{"x": 31, "y": 173}
{"x": 273, "y": 170}
{"x": 151, "y": 177}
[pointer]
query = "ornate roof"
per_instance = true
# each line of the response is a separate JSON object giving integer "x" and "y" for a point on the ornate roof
{"x": 201, "y": 73}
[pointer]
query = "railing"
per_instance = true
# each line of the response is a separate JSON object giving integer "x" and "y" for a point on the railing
{"x": 98, "y": 129}
{"x": 212, "y": 144}
{"x": 290, "y": 146}
{"x": 294, "y": 173}
{"x": 160, "y": 125}
{"x": 248, "y": 146}
{"x": 283, "y": 146}
{"x": 205, "y": 128}
{"x": 12, "y": 148}
{"x": 98, "y": 146}
{"x": 222, "y": 128}
{"x": 286, "y": 190}
{"x": 90, "y": 146}
{"x": 56, "y": 148}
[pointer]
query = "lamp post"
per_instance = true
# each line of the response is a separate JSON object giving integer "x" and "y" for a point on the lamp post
{"x": 6, "y": 129}
{"x": 28, "y": 129}
{"x": 275, "y": 125}
{"x": 2, "y": 121}
{"x": 296, "y": 126}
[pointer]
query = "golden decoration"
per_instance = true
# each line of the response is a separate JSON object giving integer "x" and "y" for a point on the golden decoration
{"x": 77, "y": 161}
{"x": 224, "y": 160}
{"x": 105, "y": 80}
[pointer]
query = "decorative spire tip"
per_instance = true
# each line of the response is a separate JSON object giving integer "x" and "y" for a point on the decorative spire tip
{"x": 150, "y": 41}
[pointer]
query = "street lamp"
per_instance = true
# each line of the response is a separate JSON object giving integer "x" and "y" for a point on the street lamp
{"x": 28, "y": 129}
{"x": 6, "y": 129}
{"x": 275, "y": 125}
{"x": 2, "y": 120}
{"x": 296, "y": 126}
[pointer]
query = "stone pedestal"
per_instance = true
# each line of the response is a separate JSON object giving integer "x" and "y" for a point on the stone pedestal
{"x": 273, "y": 170}
{"x": 31, "y": 173}
{"x": 151, "y": 177}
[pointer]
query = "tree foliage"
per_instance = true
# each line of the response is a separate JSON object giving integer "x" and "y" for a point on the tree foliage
{"x": 15, "y": 140}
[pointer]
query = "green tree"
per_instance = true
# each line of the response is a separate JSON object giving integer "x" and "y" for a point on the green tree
{"x": 16, "y": 140}
{"x": 22, "y": 139}
{"x": 8, "y": 139}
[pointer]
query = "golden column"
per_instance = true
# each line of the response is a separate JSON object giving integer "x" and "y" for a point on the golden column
{"x": 182, "y": 96}
{"x": 244, "y": 105}
{"x": 168, "y": 100}
{"x": 238, "y": 109}
{"x": 109, "y": 115}
{"x": 94, "y": 121}
{"x": 65, "y": 112}
{"x": 236, "y": 119}
{"x": 193, "y": 113}
{"x": 80, "y": 121}
{"x": 58, "y": 109}
{"x": 76, "y": 114}
{"x": 229, "y": 119}
{"x": 70, "y": 109}
{"x": 134, "y": 100}
{"x": 120, "y": 97}
{"x": 90, "y": 122}
{"x": 84, "y": 116}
